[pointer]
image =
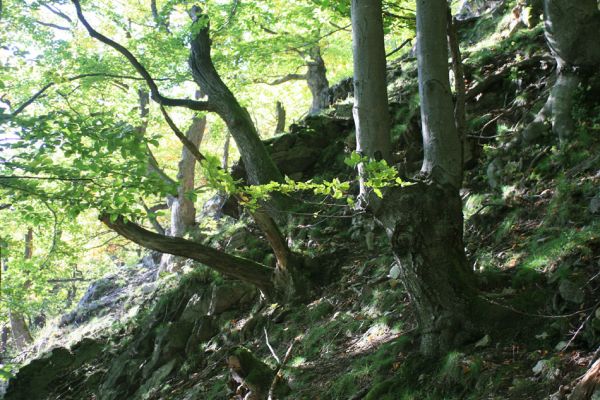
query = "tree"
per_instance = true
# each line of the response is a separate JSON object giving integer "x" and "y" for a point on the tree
{"x": 315, "y": 77}
{"x": 370, "y": 110}
{"x": 569, "y": 28}
{"x": 18, "y": 325}
{"x": 424, "y": 220}
{"x": 284, "y": 282}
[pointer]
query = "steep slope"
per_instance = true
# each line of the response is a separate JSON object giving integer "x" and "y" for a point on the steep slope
{"x": 531, "y": 222}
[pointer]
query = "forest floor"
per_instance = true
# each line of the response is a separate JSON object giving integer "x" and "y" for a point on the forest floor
{"x": 531, "y": 232}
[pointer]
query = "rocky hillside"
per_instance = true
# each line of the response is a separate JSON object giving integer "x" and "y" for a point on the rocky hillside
{"x": 532, "y": 232}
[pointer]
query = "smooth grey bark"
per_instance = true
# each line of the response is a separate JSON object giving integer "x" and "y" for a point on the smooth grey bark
{"x": 183, "y": 212}
{"x": 441, "y": 142}
{"x": 371, "y": 109}
{"x": 571, "y": 28}
{"x": 424, "y": 221}
{"x": 19, "y": 329}
{"x": 260, "y": 167}
{"x": 316, "y": 78}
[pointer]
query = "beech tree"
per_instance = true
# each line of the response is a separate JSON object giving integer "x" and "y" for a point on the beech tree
{"x": 424, "y": 221}
{"x": 370, "y": 110}
{"x": 568, "y": 27}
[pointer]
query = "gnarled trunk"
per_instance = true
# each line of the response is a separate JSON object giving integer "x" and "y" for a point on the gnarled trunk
{"x": 425, "y": 226}
{"x": 424, "y": 221}
{"x": 570, "y": 28}
{"x": 260, "y": 168}
{"x": 316, "y": 78}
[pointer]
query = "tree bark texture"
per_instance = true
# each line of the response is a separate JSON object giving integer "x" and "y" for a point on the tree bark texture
{"x": 19, "y": 329}
{"x": 441, "y": 142}
{"x": 260, "y": 168}
{"x": 236, "y": 267}
{"x": 424, "y": 221}
{"x": 460, "y": 89}
{"x": 371, "y": 111}
{"x": 316, "y": 78}
{"x": 225, "y": 158}
{"x": 280, "y": 110}
{"x": 425, "y": 226}
{"x": 183, "y": 212}
{"x": 571, "y": 28}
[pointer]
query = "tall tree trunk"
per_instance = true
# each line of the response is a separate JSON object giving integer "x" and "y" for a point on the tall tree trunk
{"x": 260, "y": 167}
{"x": 225, "y": 158}
{"x": 316, "y": 78}
{"x": 183, "y": 212}
{"x": 280, "y": 110}
{"x": 19, "y": 329}
{"x": 424, "y": 221}
{"x": 371, "y": 110}
{"x": 570, "y": 28}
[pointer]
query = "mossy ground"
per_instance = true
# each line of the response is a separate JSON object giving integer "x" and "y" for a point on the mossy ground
{"x": 533, "y": 239}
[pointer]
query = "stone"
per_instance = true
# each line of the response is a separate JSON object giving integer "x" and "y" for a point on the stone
{"x": 282, "y": 142}
{"x": 571, "y": 291}
{"x": 156, "y": 381}
{"x": 299, "y": 159}
{"x": 197, "y": 307}
{"x": 229, "y": 296}
{"x": 540, "y": 367}
{"x": 204, "y": 330}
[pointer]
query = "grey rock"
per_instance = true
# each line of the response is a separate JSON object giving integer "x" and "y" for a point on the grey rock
{"x": 298, "y": 159}
{"x": 197, "y": 307}
{"x": 204, "y": 329}
{"x": 229, "y": 296}
{"x": 571, "y": 291}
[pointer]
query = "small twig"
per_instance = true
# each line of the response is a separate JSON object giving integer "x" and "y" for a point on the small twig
{"x": 271, "y": 347}
{"x": 537, "y": 315}
{"x": 582, "y": 325}
{"x": 286, "y": 358}
{"x": 397, "y": 49}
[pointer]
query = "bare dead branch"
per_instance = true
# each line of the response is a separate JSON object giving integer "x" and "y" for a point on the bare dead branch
{"x": 397, "y": 49}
